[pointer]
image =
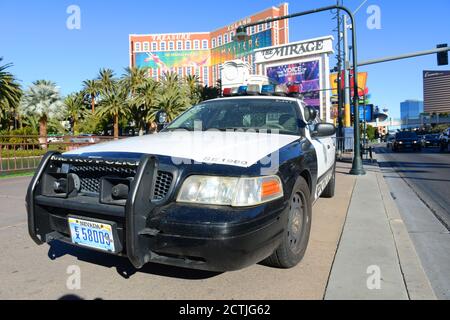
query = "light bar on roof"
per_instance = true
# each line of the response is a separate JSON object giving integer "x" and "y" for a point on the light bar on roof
{"x": 226, "y": 92}
{"x": 234, "y": 91}
{"x": 281, "y": 90}
{"x": 268, "y": 90}
{"x": 242, "y": 91}
{"x": 253, "y": 89}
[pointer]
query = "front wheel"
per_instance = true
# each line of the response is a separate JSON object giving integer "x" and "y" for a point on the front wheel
{"x": 296, "y": 237}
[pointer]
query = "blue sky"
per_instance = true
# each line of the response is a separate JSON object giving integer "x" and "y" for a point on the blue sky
{"x": 34, "y": 36}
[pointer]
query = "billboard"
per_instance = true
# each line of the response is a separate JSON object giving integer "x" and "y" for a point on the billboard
{"x": 237, "y": 49}
{"x": 173, "y": 59}
{"x": 306, "y": 74}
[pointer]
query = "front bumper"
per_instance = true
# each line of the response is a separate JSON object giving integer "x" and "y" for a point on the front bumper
{"x": 196, "y": 236}
{"x": 408, "y": 145}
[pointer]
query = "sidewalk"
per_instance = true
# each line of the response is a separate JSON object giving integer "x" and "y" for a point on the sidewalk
{"x": 376, "y": 258}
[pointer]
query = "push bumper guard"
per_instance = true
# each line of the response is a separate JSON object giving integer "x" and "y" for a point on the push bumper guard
{"x": 136, "y": 210}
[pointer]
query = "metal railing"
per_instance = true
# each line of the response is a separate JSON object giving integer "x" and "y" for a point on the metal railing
{"x": 23, "y": 153}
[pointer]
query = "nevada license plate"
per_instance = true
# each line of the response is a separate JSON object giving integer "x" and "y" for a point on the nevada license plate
{"x": 92, "y": 234}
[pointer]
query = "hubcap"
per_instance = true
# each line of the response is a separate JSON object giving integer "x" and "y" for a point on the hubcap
{"x": 296, "y": 221}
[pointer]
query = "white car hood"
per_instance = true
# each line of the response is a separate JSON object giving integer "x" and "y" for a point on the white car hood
{"x": 241, "y": 149}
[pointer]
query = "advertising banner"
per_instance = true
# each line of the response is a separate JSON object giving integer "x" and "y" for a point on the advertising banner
{"x": 305, "y": 74}
{"x": 173, "y": 59}
{"x": 236, "y": 49}
{"x": 362, "y": 82}
{"x": 366, "y": 111}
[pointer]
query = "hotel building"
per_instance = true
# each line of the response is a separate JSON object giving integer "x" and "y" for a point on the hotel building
{"x": 202, "y": 53}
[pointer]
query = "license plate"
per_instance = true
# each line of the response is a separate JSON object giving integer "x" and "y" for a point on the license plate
{"x": 92, "y": 234}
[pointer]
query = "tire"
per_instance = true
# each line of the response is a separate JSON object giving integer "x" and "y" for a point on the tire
{"x": 296, "y": 235}
{"x": 329, "y": 191}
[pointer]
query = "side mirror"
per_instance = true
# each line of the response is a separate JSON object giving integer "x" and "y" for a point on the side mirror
{"x": 324, "y": 130}
{"x": 310, "y": 114}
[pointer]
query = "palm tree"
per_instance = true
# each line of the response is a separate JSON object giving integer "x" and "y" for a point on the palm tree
{"x": 91, "y": 88}
{"x": 114, "y": 103}
{"x": 193, "y": 84}
{"x": 146, "y": 99}
{"x": 131, "y": 81}
{"x": 174, "y": 96}
{"x": 170, "y": 81}
{"x": 133, "y": 78}
{"x": 10, "y": 92}
{"x": 43, "y": 100}
{"x": 172, "y": 103}
{"x": 74, "y": 109}
{"x": 106, "y": 80}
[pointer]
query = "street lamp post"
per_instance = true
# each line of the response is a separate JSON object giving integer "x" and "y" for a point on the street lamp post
{"x": 241, "y": 35}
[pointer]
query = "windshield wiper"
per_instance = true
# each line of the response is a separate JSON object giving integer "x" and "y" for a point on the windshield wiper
{"x": 179, "y": 128}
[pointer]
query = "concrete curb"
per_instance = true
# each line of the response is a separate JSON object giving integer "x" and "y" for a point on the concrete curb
{"x": 416, "y": 281}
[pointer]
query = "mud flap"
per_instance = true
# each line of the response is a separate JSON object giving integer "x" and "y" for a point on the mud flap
{"x": 29, "y": 199}
{"x": 137, "y": 210}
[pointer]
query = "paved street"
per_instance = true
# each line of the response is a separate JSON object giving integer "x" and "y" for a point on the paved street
{"x": 428, "y": 174}
{"x": 28, "y": 271}
{"x": 419, "y": 184}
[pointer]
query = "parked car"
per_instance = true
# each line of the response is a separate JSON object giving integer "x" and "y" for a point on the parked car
{"x": 431, "y": 140}
{"x": 444, "y": 140}
{"x": 406, "y": 140}
{"x": 207, "y": 199}
{"x": 389, "y": 141}
{"x": 84, "y": 138}
{"x": 54, "y": 139}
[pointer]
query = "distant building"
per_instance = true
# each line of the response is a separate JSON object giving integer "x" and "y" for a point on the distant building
{"x": 410, "y": 110}
{"x": 203, "y": 53}
{"x": 436, "y": 91}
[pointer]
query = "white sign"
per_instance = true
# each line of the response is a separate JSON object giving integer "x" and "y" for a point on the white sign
{"x": 295, "y": 50}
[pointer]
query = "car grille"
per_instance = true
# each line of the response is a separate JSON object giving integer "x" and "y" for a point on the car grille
{"x": 162, "y": 185}
{"x": 90, "y": 176}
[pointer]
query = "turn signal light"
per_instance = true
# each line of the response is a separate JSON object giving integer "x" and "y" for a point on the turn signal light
{"x": 270, "y": 187}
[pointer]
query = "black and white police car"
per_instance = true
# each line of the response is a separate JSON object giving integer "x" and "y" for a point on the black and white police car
{"x": 229, "y": 183}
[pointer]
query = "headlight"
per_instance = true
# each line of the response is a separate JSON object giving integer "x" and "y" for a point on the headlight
{"x": 400, "y": 142}
{"x": 227, "y": 191}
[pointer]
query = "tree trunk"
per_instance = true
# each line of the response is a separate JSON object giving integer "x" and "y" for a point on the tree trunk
{"x": 43, "y": 132}
{"x": 93, "y": 104}
{"x": 75, "y": 127}
{"x": 116, "y": 126}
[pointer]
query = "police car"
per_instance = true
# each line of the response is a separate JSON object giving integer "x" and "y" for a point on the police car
{"x": 229, "y": 183}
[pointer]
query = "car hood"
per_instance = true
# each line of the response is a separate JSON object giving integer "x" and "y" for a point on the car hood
{"x": 241, "y": 149}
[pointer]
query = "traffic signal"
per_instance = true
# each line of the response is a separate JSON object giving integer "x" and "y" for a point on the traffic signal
{"x": 442, "y": 57}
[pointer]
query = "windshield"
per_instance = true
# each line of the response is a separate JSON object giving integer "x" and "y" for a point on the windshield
{"x": 406, "y": 135}
{"x": 269, "y": 115}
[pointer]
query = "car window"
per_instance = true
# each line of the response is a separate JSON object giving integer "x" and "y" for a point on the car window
{"x": 271, "y": 115}
{"x": 406, "y": 135}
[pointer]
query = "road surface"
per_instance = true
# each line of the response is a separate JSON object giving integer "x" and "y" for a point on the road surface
{"x": 28, "y": 271}
{"x": 427, "y": 173}
{"x": 420, "y": 185}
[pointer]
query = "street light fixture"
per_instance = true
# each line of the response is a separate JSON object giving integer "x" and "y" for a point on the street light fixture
{"x": 241, "y": 35}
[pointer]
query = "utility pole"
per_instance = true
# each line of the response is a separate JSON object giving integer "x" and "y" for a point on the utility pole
{"x": 347, "y": 122}
{"x": 339, "y": 81}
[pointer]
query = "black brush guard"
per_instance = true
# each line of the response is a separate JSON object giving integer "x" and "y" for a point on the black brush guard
{"x": 138, "y": 208}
